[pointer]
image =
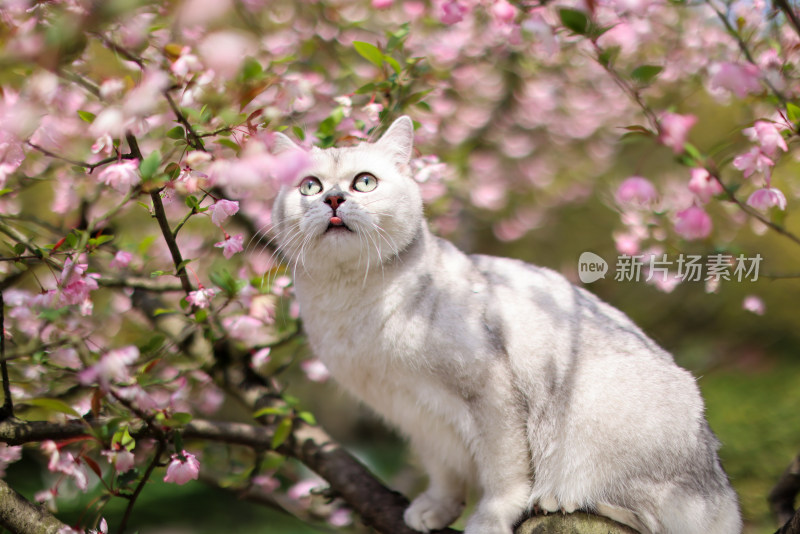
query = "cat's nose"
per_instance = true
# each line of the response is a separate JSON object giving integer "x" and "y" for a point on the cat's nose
{"x": 334, "y": 201}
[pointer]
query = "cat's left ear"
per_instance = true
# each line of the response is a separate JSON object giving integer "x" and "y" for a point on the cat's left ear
{"x": 399, "y": 139}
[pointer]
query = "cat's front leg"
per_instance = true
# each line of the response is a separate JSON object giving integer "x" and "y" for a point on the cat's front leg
{"x": 443, "y": 501}
{"x": 502, "y": 457}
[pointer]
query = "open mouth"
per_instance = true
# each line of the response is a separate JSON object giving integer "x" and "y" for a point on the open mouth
{"x": 336, "y": 224}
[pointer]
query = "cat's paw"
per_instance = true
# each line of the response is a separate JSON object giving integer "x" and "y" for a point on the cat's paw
{"x": 428, "y": 513}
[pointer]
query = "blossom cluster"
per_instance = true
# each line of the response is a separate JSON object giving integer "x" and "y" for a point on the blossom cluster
{"x": 137, "y": 174}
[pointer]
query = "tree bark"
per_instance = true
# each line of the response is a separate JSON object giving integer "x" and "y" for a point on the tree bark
{"x": 781, "y": 498}
{"x": 577, "y": 523}
{"x": 20, "y": 516}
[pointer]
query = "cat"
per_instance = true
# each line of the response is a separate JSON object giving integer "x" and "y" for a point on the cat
{"x": 501, "y": 374}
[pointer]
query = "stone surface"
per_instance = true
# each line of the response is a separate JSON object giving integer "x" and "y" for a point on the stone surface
{"x": 577, "y": 523}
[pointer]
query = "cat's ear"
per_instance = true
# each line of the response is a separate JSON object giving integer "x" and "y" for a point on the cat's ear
{"x": 399, "y": 139}
{"x": 281, "y": 143}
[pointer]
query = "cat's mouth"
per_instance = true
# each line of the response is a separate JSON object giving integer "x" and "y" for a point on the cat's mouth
{"x": 336, "y": 224}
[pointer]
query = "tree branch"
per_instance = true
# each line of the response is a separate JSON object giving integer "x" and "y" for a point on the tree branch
{"x": 792, "y": 526}
{"x": 20, "y": 516}
{"x": 781, "y": 498}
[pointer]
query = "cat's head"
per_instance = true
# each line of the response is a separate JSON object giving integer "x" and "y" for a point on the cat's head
{"x": 354, "y": 209}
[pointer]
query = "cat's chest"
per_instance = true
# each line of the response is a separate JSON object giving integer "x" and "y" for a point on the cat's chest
{"x": 363, "y": 337}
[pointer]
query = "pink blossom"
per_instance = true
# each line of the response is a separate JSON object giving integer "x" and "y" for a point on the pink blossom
{"x": 768, "y": 136}
{"x": 121, "y": 259}
{"x": 675, "y": 129}
{"x": 503, "y": 11}
{"x": 123, "y": 460}
{"x": 261, "y": 357}
{"x": 636, "y": 191}
{"x": 373, "y": 110}
{"x": 315, "y": 370}
{"x": 222, "y": 209}
{"x": 341, "y": 517}
{"x": 8, "y": 455}
{"x": 103, "y": 145}
{"x": 452, "y": 12}
{"x": 288, "y": 166}
{"x": 224, "y": 51}
{"x": 266, "y": 482}
{"x": 11, "y": 155}
{"x": 704, "y": 185}
{"x": 693, "y": 223}
{"x": 740, "y": 79}
{"x": 302, "y": 490}
{"x": 754, "y": 304}
{"x": 182, "y": 468}
{"x": 121, "y": 176}
{"x": 112, "y": 367}
{"x": 76, "y": 283}
{"x": 766, "y": 198}
{"x": 231, "y": 245}
{"x": 201, "y": 297}
{"x": 752, "y": 162}
{"x": 382, "y": 4}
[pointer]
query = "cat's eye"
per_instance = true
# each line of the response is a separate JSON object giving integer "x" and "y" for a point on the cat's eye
{"x": 310, "y": 186}
{"x": 365, "y": 182}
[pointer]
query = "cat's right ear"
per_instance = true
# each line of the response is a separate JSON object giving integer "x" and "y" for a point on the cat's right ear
{"x": 399, "y": 139}
{"x": 281, "y": 143}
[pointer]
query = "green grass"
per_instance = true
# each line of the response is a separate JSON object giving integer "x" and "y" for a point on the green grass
{"x": 755, "y": 415}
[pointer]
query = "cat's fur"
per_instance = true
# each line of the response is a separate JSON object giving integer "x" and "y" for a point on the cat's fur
{"x": 500, "y": 373}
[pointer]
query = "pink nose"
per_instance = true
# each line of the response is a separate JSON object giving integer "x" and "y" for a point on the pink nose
{"x": 334, "y": 201}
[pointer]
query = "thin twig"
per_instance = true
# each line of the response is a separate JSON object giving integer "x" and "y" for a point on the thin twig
{"x": 163, "y": 223}
{"x": 139, "y": 487}
{"x": 8, "y": 404}
{"x": 119, "y": 49}
{"x": 746, "y": 51}
{"x": 784, "y": 6}
{"x": 750, "y": 211}
{"x": 193, "y": 138}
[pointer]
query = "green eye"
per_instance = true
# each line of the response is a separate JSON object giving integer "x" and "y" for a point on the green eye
{"x": 365, "y": 182}
{"x": 310, "y": 186}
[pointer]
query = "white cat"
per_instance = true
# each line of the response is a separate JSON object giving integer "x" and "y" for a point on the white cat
{"x": 500, "y": 373}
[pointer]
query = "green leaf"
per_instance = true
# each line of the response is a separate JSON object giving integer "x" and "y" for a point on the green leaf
{"x": 396, "y": 38}
{"x": 282, "y": 432}
{"x": 149, "y": 165}
{"x": 609, "y": 55}
{"x": 393, "y": 63}
{"x": 19, "y": 249}
{"x": 86, "y": 116}
{"x": 645, "y": 74}
{"x": 192, "y": 202}
{"x": 123, "y": 439}
{"x": 370, "y": 52}
{"x": 793, "y": 112}
{"x": 176, "y": 133}
{"x": 99, "y": 240}
{"x": 228, "y": 143}
{"x": 299, "y": 133}
{"x": 693, "y": 152}
{"x": 272, "y": 410}
{"x": 162, "y": 311}
{"x": 308, "y": 417}
{"x": 366, "y": 89}
{"x": 53, "y": 405}
{"x": 252, "y": 69}
{"x": 574, "y": 20}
